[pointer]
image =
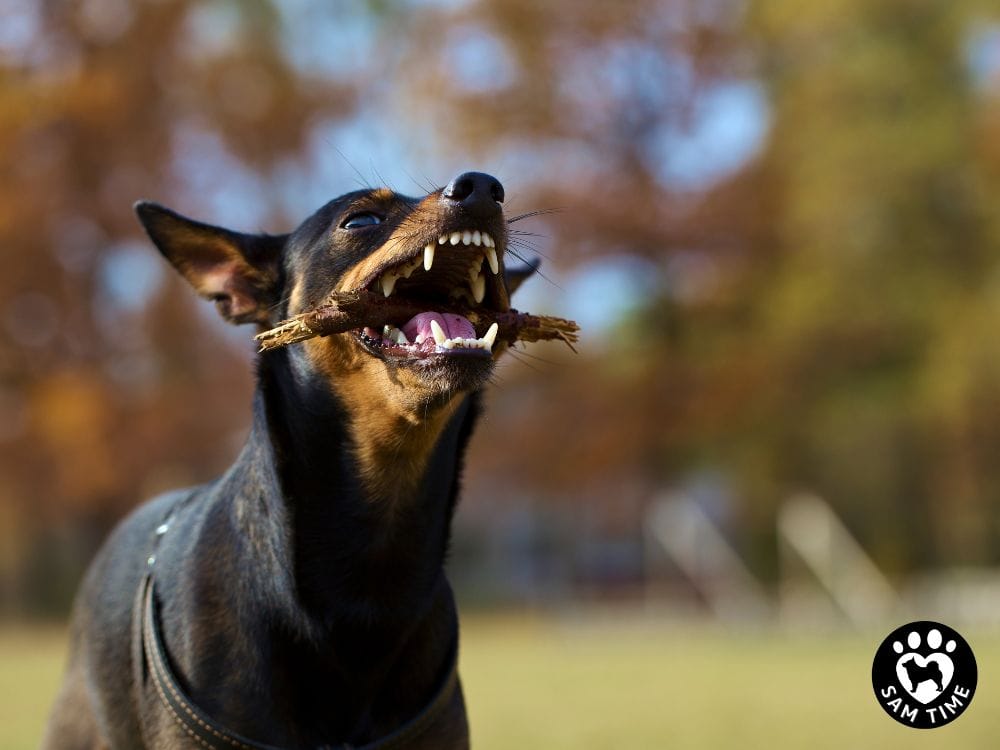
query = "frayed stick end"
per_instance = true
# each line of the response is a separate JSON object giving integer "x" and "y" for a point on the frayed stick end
{"x": 290, "y": 332}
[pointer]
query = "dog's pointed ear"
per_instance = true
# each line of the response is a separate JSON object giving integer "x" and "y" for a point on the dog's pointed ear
{"x": 239, "y": 272}
{"x": 517, "y": 275}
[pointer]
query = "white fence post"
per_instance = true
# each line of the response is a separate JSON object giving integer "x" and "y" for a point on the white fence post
{"x": 809, "y": 527}
{"x": 694, "y": 543}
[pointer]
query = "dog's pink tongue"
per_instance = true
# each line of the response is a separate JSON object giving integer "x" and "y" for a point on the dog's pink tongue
{"x": 418, "y": 328}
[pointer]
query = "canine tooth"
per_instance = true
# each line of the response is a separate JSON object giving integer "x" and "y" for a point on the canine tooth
{"x": 456, "y": 237}
{"x": 478, "y": 288}
{"x": 442, "y": 239}
{"x": 429, "y": 256}
{"x": 439, "y": 335}
{"x": 491, "y": 256}
{"x": 388, "y": 283}
{"x": 466, "y": 237}
{"x": 490, "y": 336}
{"x": 477, "y": 238}
{"x": 488, "y": 241}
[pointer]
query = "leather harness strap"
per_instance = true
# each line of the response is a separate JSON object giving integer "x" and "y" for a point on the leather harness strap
{"x": 208, "y": 734}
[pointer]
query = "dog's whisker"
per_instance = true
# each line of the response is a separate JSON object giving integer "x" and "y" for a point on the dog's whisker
{"x": 529, "y": 214}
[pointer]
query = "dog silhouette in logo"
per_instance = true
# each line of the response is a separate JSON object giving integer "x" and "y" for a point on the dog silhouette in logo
{"x": 917, "y": 674}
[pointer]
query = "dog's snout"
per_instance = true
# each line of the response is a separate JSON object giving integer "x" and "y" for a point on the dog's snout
{"x": 476, "y": 192}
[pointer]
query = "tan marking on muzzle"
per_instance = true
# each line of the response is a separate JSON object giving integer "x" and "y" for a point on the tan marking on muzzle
{"x": 407, "y": 241}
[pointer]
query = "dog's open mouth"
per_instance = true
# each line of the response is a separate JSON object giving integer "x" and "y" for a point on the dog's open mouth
{"x": 430, "y": 297}
{"x": 448, "y": 297}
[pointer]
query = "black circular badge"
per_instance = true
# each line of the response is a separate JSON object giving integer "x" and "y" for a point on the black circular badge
{"x": 924, "y": 674}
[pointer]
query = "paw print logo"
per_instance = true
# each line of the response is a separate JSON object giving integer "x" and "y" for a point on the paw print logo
{"x": 924, "y": 674}
{"x": 924, "y": 677}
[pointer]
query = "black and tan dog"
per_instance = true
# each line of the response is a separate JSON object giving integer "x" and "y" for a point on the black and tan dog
{"x": 300, "y": 601}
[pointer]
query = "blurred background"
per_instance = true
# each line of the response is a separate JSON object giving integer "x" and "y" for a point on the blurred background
{"x": 776, "y": 221}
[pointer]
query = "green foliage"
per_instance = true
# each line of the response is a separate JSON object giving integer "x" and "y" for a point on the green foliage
{"x": 842, "y": 342}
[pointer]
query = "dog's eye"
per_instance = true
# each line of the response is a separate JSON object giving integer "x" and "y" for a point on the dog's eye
{"x": 356, "y": 221}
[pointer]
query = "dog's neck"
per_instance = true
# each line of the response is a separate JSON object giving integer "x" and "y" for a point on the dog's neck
{"x": 345, "y": 606}
{"x": 357, "y": 550}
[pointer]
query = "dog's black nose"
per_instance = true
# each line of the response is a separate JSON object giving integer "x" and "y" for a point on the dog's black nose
{"x": 476, "y": 192}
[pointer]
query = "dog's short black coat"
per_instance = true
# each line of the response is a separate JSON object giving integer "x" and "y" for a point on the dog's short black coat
{"x": 301, "y": 597}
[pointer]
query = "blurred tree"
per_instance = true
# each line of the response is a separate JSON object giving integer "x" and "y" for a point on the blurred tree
{"x": 100, "y": 104}
{"x": 825, "y": 307}
{"x": 811, "y": 192}
{"x": 880, "y": 389}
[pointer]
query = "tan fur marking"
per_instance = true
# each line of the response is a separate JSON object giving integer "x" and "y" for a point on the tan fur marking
{"x": 406, "y": 241}
{"x": 382, "y": 195}
{"x": 392, "y": 431}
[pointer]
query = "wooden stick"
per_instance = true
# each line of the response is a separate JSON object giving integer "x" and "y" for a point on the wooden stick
{"x": 345, "y": 311}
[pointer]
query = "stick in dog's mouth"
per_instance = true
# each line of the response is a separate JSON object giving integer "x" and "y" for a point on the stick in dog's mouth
{"x": 364, "y": 309}
{"x": 452, "y": 301}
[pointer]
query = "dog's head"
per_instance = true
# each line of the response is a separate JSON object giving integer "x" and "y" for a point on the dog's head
{"x": 443, "y": 252}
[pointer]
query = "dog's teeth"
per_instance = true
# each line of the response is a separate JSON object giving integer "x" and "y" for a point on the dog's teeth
{"x": 491, "y": 256}
{"x": 466, "y": 237}
{"x": 456, "y": 237}
{"x": 485, "y": 343}
{"x": 488, "y": 241}
{"x": 491, "y": 336}
{"x": 479, "y": 288}
{"x": 477, "y": 238}
{"x": 429, "y": 256}
{"x": 388, "y": 283}
{"x": 442, "y": 239}
{"x": 439, "y": 335}
{"x": 391, "y": 333}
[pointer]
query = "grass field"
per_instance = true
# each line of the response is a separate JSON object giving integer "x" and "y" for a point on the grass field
{"x": 553, "y": 684}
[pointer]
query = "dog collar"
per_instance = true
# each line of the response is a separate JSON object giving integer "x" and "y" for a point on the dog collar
{"x": 209, "y": 734}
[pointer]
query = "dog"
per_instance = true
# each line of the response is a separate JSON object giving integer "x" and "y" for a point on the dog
{"x": 300, "y": 600}
{"x": 917, "y": 674}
